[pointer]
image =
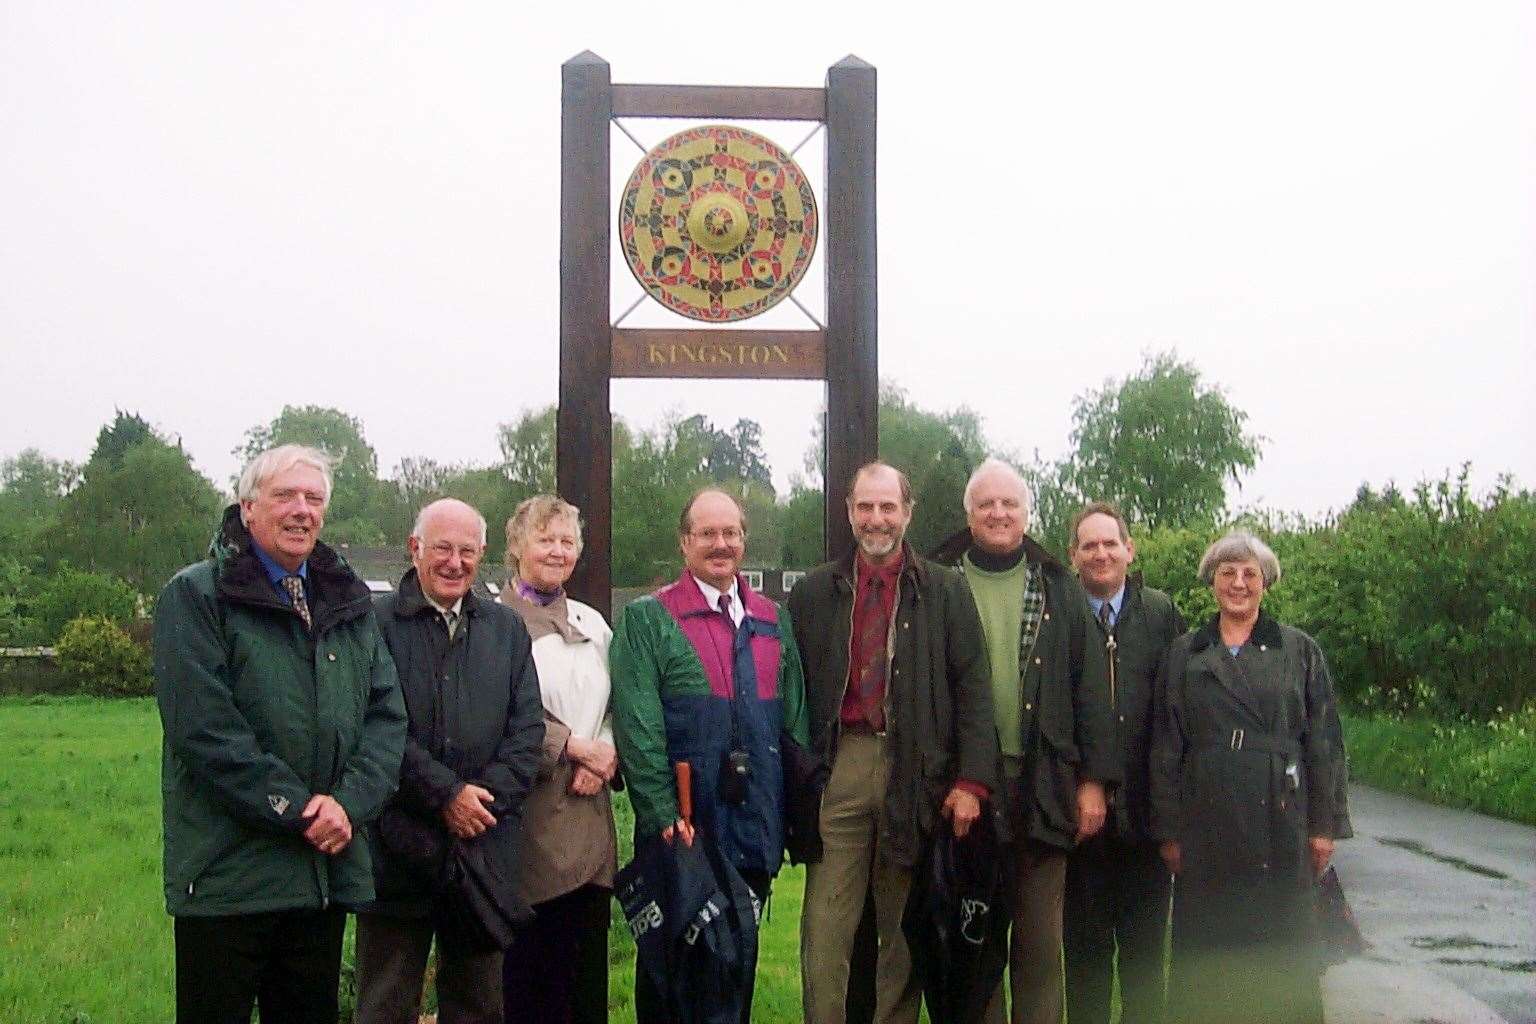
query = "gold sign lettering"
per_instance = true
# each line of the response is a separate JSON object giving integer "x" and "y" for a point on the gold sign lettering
{"x": 688, "y": 353}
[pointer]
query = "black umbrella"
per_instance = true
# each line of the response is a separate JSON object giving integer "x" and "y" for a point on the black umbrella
{"x": 695, "y": 926}
{"x": 956, "y": 923}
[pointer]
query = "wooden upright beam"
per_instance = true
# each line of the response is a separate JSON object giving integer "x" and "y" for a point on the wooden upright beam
{"x": 853, "y": 371}
{"x": 584, "y": 425}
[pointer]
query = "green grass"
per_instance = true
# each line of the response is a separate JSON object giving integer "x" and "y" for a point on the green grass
{"x": 83, "y": 931}
{"x": 84, "y": 937}
{"x": 1482, "y": 766}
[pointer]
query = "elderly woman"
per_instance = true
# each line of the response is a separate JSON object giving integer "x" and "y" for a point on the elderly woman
{"x": 557, "y": 970}
{"x": 1247, "y": 799}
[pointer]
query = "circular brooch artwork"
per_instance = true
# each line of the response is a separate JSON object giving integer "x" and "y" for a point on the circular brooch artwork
{"x": 718, "y": 223}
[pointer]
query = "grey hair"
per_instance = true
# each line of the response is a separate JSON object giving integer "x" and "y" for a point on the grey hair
{"x": 534, "y": 514}
{"x": 992, "y": 464}
{"x": 1239, "y": 546}
{"x": 279, "y": 460}
{"x": 419, "y": 529}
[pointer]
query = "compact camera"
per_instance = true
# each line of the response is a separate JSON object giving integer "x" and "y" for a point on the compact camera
{"x": 735, "y": 772}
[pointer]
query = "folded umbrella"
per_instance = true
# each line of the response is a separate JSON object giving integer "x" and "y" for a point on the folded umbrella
{"x": 694, "y": 921}
{"x": 956, "y": 923}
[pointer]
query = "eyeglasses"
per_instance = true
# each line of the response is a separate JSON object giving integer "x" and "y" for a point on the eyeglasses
{"x": 442, "y": 549}
{"x": 731, "y": 535}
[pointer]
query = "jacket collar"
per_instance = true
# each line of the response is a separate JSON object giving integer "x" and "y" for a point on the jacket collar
{"x": 337, "y": 592}
{"x": 912, "y": 567}
{"x": 1265, "y": 631}
{"x": 685, "y": 598}
{"x": 412, "y": 601}
{"x": 954, "y": 547}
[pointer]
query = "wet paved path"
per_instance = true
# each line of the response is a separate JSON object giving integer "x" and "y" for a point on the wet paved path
{"x": 1447, "y": 900}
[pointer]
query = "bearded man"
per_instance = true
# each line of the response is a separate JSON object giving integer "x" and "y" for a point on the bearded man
{"x": 896, "y": 680}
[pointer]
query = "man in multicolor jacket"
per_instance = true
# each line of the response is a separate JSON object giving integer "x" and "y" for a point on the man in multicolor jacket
{"x": 706, "y": 671}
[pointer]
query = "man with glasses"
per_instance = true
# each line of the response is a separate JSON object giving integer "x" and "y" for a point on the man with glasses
{"x": 472, "y": 751}
{"x": 706, "y": 671}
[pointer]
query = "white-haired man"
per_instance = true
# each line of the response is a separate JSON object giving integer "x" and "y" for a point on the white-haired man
{"x": 283, "y": 732}
{"x": 471, "y": 754}
{"x": 1050, "y": 696}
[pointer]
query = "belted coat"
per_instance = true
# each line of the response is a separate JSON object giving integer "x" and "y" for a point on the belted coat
{"x": 1247, "y": 763}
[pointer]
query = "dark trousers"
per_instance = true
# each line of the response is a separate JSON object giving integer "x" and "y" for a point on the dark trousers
{"x": 391, "y": 969}
{"x": 1116, "y": 900}
{"x": 287, "y": 963}
{"x": 557, "y": 969}
{"x": 651, "y": 1006}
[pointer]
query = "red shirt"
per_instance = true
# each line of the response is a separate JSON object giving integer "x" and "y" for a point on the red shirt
{"x": 854, "y": 700}
{"x": 852, "y": 711}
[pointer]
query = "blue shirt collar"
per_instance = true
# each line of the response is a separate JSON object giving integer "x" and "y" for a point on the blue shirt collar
{"x": 276, "y": 573}
{"x": 1114, "y": 603}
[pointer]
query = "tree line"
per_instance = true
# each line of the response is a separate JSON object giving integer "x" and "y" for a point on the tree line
{"x": 1423, "y": 600}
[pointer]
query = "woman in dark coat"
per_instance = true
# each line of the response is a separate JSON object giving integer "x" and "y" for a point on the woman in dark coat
{"x": 1247, "y": 799}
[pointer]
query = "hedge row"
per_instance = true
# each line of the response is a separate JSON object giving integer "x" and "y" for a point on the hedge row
{"x": 1424, "y": 604}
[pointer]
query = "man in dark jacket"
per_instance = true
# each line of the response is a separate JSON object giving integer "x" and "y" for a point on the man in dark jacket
{"x": 283, "y": 735}
{"x": 472, "y": 751}
{"x": 1117, "y": 884}
{"x": 1050, "y": 694}
{"x": 900, "y": 715}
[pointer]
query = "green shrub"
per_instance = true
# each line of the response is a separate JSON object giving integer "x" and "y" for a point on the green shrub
{"x": 19, "y": 587}
{"x": 70, "y": 594}
{"x": 101, "y": 659}
{"x": 1424, "y": 603}
{"x": 1483, "y": 766}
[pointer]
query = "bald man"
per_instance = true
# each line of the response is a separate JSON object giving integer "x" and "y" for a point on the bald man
{"x": 476, "y": 725}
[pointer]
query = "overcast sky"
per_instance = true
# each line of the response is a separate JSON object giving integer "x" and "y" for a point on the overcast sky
{"x": 208, "y": 210}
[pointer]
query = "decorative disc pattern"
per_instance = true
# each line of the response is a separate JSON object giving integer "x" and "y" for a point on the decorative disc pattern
{"x": 718, "y": 223}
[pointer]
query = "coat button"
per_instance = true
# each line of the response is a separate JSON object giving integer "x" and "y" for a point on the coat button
{"x": 1047, "y": 616}
{"x": 1262, "y": 647}
{"x": 1037, "y": 661}
{"x": 331, "y": 656}
{"x": 1122, "y": 718}
{"x": 906, "y": 625}
{"x": 1029, "y": 707}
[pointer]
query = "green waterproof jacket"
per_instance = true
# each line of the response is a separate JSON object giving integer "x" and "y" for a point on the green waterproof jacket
{"x": 260, "y": 714}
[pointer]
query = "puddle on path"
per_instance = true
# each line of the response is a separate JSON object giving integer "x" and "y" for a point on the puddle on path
{"x": 1509, "y": 966}
{"x": 1414, "y": 846}
{"x": 1455, "y": 942}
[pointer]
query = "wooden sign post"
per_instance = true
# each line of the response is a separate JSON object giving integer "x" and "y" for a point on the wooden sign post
{"x": 593, "y": 351}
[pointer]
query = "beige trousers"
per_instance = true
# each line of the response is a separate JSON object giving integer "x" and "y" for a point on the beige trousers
{"x": 835, "y": 889}
{"x": 1034, "y": 948}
